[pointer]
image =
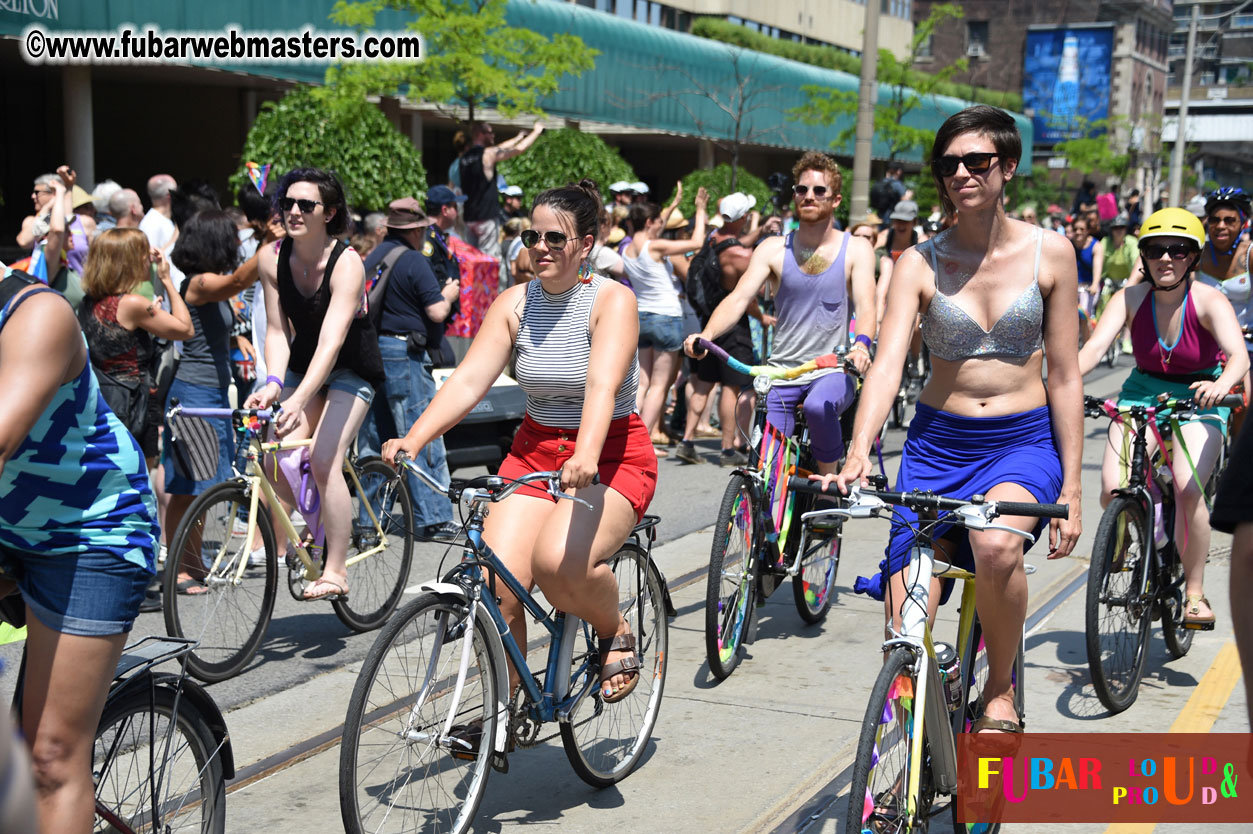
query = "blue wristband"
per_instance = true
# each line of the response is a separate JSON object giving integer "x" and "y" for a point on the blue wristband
{"x": 862, "y": 338}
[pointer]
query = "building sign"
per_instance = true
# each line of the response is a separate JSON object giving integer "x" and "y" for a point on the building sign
{"x": 1066, "y": 80}
{"x": 42, "y": 9}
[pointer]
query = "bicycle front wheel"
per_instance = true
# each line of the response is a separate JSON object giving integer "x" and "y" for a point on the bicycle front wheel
{"x": 384, "y": 550}
{"x": 1118, "y": 606}
{"x": 399, "y": 771}
{"x": 156, "y": 770}
{"x": 879, "y": 797}
{"x": 1178, "y": 639}
{"x": 604, "y": 742}
{"x": 813, "y": 588}
{"x": 227, "y": 617}
{"x": 730, "y": 591}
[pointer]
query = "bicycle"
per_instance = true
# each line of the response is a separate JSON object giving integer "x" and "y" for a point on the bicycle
{"x": 914, "y": 377}
{"x": 162, "y": 753}
{"x": 1136, "y": 575}
{"x": 229, "y": 621}
{"x": 755, "y": 546}
{"x": 926, "y": 692}
{"x": 438, "y": 676}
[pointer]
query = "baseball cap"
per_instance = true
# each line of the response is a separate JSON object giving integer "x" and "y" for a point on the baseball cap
{"x": 406, "y": 213}
{"x": 512, "y": 191}
{"x": 734, "y": 206}
{"x": 620, "y": 186}
{"x": 639, "y": 188}
{"x": 905, "y": 210}
{"x": 1121, "y": 220}
{"x": 442, "y": 195}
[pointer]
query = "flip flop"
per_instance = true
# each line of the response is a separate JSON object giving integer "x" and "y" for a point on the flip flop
{"x": 1191, "y": 613}
{"x": 339, "y": 592}
{"x": 185, "y": 588}
{"x": 998, "y": 724}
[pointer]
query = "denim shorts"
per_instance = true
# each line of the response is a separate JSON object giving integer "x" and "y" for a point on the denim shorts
{"x": 664, "y": 333}
{"x": 341, "y": 379}
{"x": 90, "y": 594}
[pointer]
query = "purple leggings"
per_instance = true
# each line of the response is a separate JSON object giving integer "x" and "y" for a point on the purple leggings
{"x": 825, "y": 399}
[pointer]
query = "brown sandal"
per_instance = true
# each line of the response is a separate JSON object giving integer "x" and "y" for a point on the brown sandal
{"x": 629, "y": 665}
{"x": 1192, "y": 611}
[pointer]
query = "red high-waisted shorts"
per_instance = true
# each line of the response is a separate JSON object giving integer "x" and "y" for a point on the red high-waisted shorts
{"x": 628, "y": 464}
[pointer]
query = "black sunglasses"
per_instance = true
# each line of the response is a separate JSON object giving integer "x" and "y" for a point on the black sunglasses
{"x": 976, "y": 163}
{"x": 554, "y": 240}
{"x": 1178, "y": 251}
{"x": 306, "y": 206}
{"x": 820, "y": 191}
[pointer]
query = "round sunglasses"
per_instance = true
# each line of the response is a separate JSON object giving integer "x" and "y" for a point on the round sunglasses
{"x": 820, "y": 191}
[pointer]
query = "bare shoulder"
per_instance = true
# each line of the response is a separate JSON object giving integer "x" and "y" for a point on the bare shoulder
{"x": 1055, "y": 247}
{"x": 46, "y": 318}
{"x": 1205, "y": 294}
{"x": 616, "y": 298}
{"x": 859, "y": 247}
{"x": 267, "y": 259}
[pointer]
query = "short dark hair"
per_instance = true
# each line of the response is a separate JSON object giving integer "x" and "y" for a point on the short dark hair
{"x": 983, "y": 119}
{"x": 191, "y": 198}
{"x": 257, "y": 207}
{"x": 640, "y": 213}
{"x": 208, "y": 242}
{"x": 581, "y": 201}
{"x": 329, "y": 189}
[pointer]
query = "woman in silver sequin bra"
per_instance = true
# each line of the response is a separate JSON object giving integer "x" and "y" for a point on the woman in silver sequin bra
{"x": 995, "y": 296}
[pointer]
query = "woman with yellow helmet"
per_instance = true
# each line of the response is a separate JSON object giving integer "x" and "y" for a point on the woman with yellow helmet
{"x": 1180, "y": 331}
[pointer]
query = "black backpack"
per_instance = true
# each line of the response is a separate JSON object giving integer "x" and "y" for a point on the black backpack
{"x": 704, "y": 279}
{"x": 883, "y": 197}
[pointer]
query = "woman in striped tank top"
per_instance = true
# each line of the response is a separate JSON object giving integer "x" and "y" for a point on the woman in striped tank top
{"x": 575, "y": 335}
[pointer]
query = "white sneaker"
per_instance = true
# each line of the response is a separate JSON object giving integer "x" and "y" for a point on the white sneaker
{"x": 257, "y": 557}
{"x": 239, "y": 526}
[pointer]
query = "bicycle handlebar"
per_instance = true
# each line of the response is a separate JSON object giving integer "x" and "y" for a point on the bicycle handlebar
{"x": 223, "y": 413}
{"x": 496, "y": 489}
{"x": 1096, "y": 407}
{"x": 828, "y": 360}
{"x": 928, "y": 501}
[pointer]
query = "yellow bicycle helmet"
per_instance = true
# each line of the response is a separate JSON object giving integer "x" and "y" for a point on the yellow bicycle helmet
{"x": 1174, "y": 222}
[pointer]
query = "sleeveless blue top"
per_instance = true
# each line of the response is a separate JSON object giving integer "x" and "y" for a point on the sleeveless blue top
{"x": 812, "y": 312}
{"x": 78, "y": 483}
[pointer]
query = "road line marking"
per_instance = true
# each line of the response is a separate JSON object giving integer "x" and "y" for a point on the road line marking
{"x": 1199, "y": 713}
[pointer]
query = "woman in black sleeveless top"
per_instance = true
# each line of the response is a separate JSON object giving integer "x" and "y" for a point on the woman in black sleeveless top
{"x": 320, "y": 348}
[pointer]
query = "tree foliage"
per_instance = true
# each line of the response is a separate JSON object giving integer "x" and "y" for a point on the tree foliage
{"x": 907, "y": 88}
{"x": 472, "y": 57}
{"x": 1093, "y": 152}
{"x": 353, "y": 138}
{"x": 563, "y": 156}
{"x": 828, "y": 58}
{"x": 717, "y": 181}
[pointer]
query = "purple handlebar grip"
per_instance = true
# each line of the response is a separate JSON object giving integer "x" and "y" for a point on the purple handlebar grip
{"x": 218, "y": 413}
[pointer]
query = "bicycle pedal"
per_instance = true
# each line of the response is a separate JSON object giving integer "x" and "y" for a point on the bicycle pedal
{"x": 1199, "y": 626}
{"x": 500, "y": 763}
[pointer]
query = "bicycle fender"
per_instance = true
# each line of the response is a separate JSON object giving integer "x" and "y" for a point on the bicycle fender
{"x": 496, "y": 646}
{"x": 203, "y": 702}
{"x": 671, "y": 611}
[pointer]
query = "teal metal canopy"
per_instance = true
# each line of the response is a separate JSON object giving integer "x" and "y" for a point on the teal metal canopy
{"x": 645, "y": 77}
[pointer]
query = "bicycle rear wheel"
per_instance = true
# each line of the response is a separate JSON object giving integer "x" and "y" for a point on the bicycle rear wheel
{"x": 397, "y": 771}
{"x": 604, "y": 742}
{"x": 813, "y": 588}
{"x": 1118, "y": 606}
{"x": 1178, "y": 639}
{"x": 878, "y": 797}
{"x": 155, "y": 770}
{"x": 731, "y": 588}
{"x": 378, "y": 579}
{"x": 229, "y": 620}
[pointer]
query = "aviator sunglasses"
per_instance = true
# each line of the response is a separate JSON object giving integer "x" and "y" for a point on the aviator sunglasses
{"x": 1178, "y": 251}
{"x": 976, "y": 163}
{"x": 553, "y": 240}
{"x": 306, "y": 206}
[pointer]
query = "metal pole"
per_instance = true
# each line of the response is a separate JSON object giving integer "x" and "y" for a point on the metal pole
{"x": 1176, "y": 153}
{"x": 867, "y": 98}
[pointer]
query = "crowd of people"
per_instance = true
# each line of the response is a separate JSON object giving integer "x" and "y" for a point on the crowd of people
{"x": 287, "y": 299}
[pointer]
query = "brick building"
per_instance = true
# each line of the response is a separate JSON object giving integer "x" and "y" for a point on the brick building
{"x": 992, "y": 35}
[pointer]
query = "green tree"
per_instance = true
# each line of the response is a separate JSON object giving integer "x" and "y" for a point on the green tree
{"x": 472, "y": 57}
{"x": 308, "y": 127}
{"x": 1093, "y": 151}
{"x": 563, "y": 156}
{"x": 907, "y": 89}
{"x": 720, "y": 181}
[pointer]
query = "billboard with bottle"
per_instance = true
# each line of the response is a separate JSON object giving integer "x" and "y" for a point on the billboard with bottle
{"x": 1066, "y": 79}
